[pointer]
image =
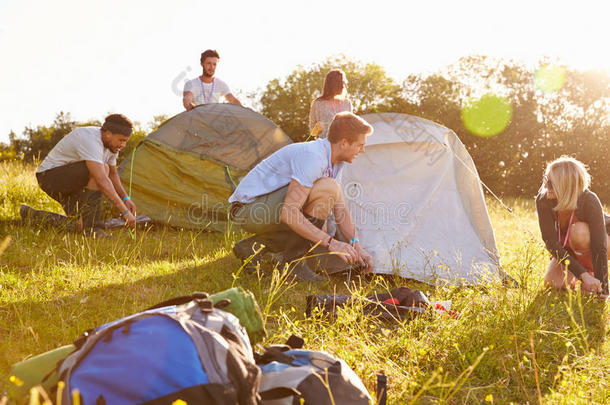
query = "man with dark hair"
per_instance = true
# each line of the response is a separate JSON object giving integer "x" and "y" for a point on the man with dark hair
{"x": 82, "y": 167}
{"x": 287, "y": 197}
{"x": 206, "y": 88}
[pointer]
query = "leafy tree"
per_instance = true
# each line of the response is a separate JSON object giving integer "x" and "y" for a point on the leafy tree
{"x": 572, "y": 120}
{"x": 37, "y": 142}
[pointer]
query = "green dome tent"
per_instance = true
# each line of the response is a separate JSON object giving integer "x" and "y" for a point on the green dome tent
{"x": 182, "y": 173}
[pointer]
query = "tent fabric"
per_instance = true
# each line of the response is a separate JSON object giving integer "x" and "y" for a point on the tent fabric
{"x": 182, "y": 173}
{"x": 417, "y": 203}
{"x": 232, "y": 135}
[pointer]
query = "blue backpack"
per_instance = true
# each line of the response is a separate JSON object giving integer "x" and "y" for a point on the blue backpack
{"x": 193, "y": 352}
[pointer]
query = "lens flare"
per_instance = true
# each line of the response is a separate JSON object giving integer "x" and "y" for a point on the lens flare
{"x": 550, "y": 78}
{"x": 488, "y": 115}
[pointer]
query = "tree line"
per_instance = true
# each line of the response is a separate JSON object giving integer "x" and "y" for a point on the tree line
{"x": 551, "y": 110}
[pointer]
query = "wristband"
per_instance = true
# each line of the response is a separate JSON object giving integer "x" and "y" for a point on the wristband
{"x": 126, "y": 198}
{"x": 353, "y": 241}
{"x": 124, "y": 213}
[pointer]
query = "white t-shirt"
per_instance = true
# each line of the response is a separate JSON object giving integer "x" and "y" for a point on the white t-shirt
{"x": 84, "y": 143}
{"x": 205, "y": 93}
{"x": 305, "y": 162}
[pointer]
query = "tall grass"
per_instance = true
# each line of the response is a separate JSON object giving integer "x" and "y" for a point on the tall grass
{"x": 519, "y": 345}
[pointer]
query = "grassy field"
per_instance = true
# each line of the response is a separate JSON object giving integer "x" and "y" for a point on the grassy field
{"x": 510, "y": 345}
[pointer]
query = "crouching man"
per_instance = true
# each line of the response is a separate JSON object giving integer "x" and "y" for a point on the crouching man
{"x": 81, "y": 168}
{"x": 287, "y": 197}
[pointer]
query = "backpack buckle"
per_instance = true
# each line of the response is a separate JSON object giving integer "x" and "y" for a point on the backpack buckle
{"x": 205, "y": 305}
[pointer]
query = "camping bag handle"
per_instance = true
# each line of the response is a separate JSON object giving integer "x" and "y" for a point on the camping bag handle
{"x": 279, "y": 393}
{"x": 180, "y": 300}
{"x": 276, "y": 353}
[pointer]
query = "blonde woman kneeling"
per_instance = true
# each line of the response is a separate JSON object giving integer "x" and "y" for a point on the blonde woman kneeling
{"x": 573, "y": 227}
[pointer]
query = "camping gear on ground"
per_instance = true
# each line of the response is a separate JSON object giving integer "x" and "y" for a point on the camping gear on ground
{"x": 291, "y": 375}
{"x": 399, "y": 304}
{"x": 41, "y": 369}
{"x": 194, "y": 352}
{"x": 184, "y": 172}
{"x": 434, "y": 224}
{"x": 242, "y": 304}
{"x": 112, "y": 223}
{"x": 444, "y": 308}
{"x": 54, "y": 220}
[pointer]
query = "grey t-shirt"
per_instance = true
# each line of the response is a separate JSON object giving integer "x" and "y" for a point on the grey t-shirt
{"x": 84, "y": 143}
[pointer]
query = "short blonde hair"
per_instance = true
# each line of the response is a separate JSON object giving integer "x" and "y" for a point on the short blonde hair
{"x": 346, "y": 125}
{"x": 568, "y": 178}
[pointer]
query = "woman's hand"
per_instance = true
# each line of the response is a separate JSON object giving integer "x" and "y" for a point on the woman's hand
{"x": 317, "y": 130}
{"x": 590, "y": 284}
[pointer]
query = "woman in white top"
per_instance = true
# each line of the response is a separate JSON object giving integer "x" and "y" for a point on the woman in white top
{"x": 332, "y": 101}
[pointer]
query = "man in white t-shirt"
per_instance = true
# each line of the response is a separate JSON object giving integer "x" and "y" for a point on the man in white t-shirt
{"x": 206, "y": 88}
{"x": 287, "y": 197}
{"x": 81, "y": 167}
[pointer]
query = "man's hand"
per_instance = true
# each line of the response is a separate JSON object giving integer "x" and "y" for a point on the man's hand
{"x": 232, "y": 99}
{"x": 365, "y": 257}
{"x": 590, "y": 284}
{"x": 188, "y": 100}
{"x": 131, "y": 206}
{"x": 344, "y": 250}
{"x": 130, "y": 220}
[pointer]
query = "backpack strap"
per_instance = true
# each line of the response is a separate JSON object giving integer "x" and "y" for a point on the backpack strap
{"x": 80, "y": 341}
{"x": 279, "y": 393}
{"x": 295, "y": 342}
{"x": 180, "y": 300}
{"x": 274, "y": 353}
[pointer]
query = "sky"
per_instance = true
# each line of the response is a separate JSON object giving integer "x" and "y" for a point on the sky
{"x": 91, "y": 58}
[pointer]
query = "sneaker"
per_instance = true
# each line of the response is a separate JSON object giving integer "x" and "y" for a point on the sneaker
{"x": 45, "y": 218}
{"x": 301, "y": 272}
{"x": 245, "y": 248}
{"x": 25, "y": 212}
{"x": 98, "y": 233}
